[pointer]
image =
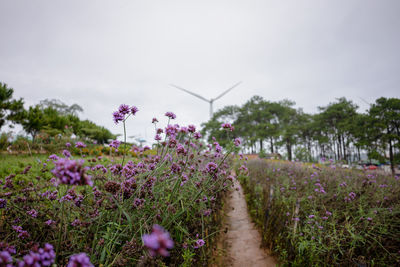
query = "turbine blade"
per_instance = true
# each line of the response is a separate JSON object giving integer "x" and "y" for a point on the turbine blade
{"x": 193, "y": 94}
{"x": 224, "y": 93}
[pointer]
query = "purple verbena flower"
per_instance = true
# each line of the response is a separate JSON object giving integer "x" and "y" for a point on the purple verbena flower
{"x": 199, "y": 243}
{"x": 154, "y": 120}
{"x": 197, "y": 135}
{"x": 5, "y": 258}
{"x": 68, "y": 144}
{"x": 49, "y": 222}
{"x": 211, "y": 167}
{"x": 227, "y": 126}
{"x": 237, "y": 141}
{"x": 134, "y": 110}
{"x": 66, "y": 153}
{"x": 158, "y": 242}
{"x": 80, "y": 260}
{"x": 33, "y": 213}
{"x": 3, "y": 203}
{"x": 115, "y": 144}
{"x": 123, "y": 109}
{"x": 117, "y": 116}
{"x": 80, "y": 145}
{"x": 53, "y": 157}
{"x": 170, "y": 115}
{"x": 192, "y": 128}
{"x": 71, "y": 172}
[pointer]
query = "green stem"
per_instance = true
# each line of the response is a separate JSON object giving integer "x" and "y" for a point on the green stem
{"x": 123, "y": 158}
{"x": 60, "y": 231}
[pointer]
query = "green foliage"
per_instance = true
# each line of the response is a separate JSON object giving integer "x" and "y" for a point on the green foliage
{"x": 91, "y": 130}
{"x": 10, "y": 109}
{"x": 5, "y": 140}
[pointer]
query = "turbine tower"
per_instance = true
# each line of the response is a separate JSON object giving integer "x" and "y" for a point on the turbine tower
{"x": 211, "y": 101}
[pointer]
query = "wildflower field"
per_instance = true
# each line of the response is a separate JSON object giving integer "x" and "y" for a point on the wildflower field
{"x": 159, "y": 208}
{"x": 321, "y": 215}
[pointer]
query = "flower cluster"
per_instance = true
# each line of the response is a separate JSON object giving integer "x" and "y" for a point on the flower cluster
{"x": 158, "y": 242}
{"x": 123, "y": 111}
{"x": 227, "y": 126}
{"x": 115, "y": 144}
{"x": 80, "y": 145}
{"x": 71, "y": 172}
{"x": 80, "y": 260}
{"x": 43, "y": 257}
{"x": 170, "y": 115}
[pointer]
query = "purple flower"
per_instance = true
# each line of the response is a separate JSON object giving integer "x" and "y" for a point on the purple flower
{"x": 3, "y": 203}
{"x": 199, "y": 243}
{"x": 183, "y": 130}
{"x": 123, "y": 109}
{"x": 197, "y": 135}
{"x": 192, "y": 128}
{"x": 71, "y": 172}
{"x": 157, "y": 137}
{"x": 80, "y": 260}
{"x": 227, "y": 126}
{"x": 311, "y": 216}
{"x": 68, "y": 144}
{"x": 43, "y": 257}
{"x": 5, "y": 257}
{"x": 237, "y": 141}
{"x": 328, "y": 213}
{"x": 207, "y": 212}
{"x": 66, "y": 153}
{"x": 211, "y": 167}
{"x": 170, "y": 115}
{"x": 80, "y": 145}
{"x": 180, "y": 149}
{"x": 158, "y": 242}
{"x": 154, "y": 120}
{"x": 115, "y": 144}
{"x": 118, "y": 117}
{"x": 49, "y": 222}
{"x": 134, "y": 110}
{"x": 53, "y": 157}
{"x": 33, "y": 213}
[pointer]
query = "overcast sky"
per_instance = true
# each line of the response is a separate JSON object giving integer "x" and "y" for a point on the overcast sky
{"x": 100, "y": 54}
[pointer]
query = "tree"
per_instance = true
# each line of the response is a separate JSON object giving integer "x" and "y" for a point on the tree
{"x": 337, "y": 119}
{"x": 212, "y": 128}
{"x": 10, "y": 109}
{"x": 61, "y": 107}
{"x": 33, "y": 121}
{"x": 385, "y": 122}
{"x": 91, "y": 130}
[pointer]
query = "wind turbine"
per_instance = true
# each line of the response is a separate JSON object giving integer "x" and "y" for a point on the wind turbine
{"x": 211, "y": 101}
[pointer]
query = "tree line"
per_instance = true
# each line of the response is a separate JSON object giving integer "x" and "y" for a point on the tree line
{"x": 50, "y": 116}
{"x": 337, "y": 131}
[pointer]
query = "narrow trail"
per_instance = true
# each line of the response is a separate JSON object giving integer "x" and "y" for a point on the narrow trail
{"x": 242, "y": 240}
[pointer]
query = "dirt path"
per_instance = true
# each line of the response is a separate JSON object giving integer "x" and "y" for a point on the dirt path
{"x": 241, "y": 242}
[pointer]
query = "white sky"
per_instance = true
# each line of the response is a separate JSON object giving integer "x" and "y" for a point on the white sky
{"x": 100, "y": 54}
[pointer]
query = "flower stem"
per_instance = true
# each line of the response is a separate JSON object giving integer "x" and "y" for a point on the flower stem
{"x": 123, "y": 157}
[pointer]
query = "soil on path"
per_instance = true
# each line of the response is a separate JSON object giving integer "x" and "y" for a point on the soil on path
{"x": 241, "y": 242}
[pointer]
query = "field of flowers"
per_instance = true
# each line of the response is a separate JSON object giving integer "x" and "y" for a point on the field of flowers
{"x": 160, "y": 208}
{"x": 320, "y": 215}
